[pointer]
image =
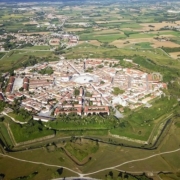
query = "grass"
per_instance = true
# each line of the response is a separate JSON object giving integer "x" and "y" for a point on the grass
{"x": 139, "y": 125}
{"x": 106, "y": 156}
{"x": 118, "y": 175}
{"x": 172, "y": 140}
{"x": 77, "y": 123}
{"x": 15, "y": 58}
{"x": 141, "y": 35}
{"x": 143, "y": 45}
{"x": 117, "y": 91}
{"x": 102, "y": 38}
{"x": 2, "y": 54}
{"x": 94, "y": 132}
{"x": 58, "y": 157}
{"x": 86, "y": 50}
{"x": 81, "y": 150}
{"x": 28, "y": 132}
{"x": 19, "y": 117}
{"x": 174, "y": 33}
{"x": 131, "y": 25}
{"x": 4, "y": 135}
{"x": 176, "y": 40}
{"x": 38, "y": 48}
{"x": 44, "y": 172}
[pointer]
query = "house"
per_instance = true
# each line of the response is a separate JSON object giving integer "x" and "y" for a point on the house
{"x": 43, "y": 118}
{"x": 96, "y": 110}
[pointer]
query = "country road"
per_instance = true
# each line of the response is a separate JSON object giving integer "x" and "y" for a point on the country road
{"x": 87, "y": 174}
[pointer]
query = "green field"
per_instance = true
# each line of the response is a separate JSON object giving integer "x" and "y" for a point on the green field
{"x": 142, "y": 45}
{"x": 140, "y": 124}
{"x": 86, "y": 50}
{"x": 4, "y": 135}
{"x": 82, "y": 150}
{"x": 38, "y": 48}
{"x": 29, "y": 131}
{"x": 82, "y": 123}
{"x": 19, "y": 117}
{"x": 2, "y": 54}
{"x": 16, "y": 58}
{"x": 102, "y": 38}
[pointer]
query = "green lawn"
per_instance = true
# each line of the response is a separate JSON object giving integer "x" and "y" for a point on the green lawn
{"x": 102, "y": 38}
{"x": 19, "y": 117}
{"x": 175, "y": 33}
{"x": 94, "y": 122}
{"x": 138, "y": 125}
{"x": 141, "y": 35}
{"x": 38, "y": 48}
{"x": 15, "y": 58}
{"x": 29, "y": 132}
{"x": 81, "y": 150}
{"x": 131, "y": 25}
{"x": 2, "y": 54}
{"x": 4, "y": 135}
{"x": 142, "y": 45}
{"x": 117, "y": 91}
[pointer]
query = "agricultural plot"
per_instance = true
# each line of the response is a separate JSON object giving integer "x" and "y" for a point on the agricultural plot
{"x": 158, "y": 26}
{"x": 38, "y": 48}
{"x": 101, "y": 38}
{"x": 15, "y": 58}
{"x": 175, "y": 55}
{"x": 87, "y": 50}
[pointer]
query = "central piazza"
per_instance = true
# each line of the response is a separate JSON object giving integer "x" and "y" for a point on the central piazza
{"x": 83, "y": 87}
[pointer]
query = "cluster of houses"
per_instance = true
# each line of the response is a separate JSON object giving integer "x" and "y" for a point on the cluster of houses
{"x": 64, "y": 38}
{"x": 72, "y": 89}
{"x": 54, "y": 39}
{"x": 23, "y": 39}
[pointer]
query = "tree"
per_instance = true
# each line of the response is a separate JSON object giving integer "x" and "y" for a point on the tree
{"x": 60, "y": 171}
{"x": 21, "y": 89}
{"x": 76, "y": 92}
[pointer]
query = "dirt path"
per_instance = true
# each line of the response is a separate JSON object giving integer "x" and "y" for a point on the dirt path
{"x": 13, "y": 119}
{"x": 136, "y": 160}
{"x": 83, "y": 175}
{"x": 41, "y": 163}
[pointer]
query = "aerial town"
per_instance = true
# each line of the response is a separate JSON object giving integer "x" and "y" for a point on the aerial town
{"x": 90, "y": 89}
{"x": 83, "y": 87}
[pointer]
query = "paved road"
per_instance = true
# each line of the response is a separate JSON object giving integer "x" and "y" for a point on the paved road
{"x": 88, "y": 174}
